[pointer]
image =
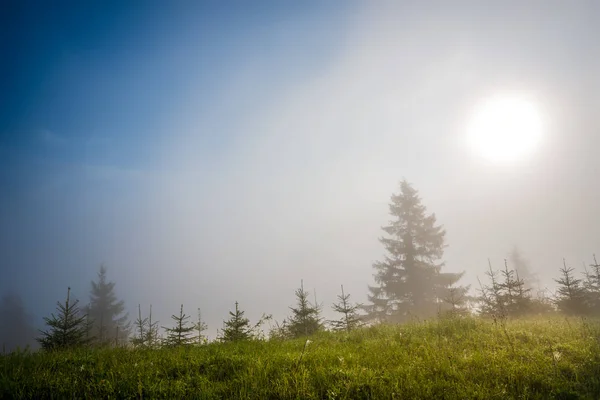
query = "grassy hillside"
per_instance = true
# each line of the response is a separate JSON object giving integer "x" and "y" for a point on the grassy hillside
{"x": 451, "y": 359}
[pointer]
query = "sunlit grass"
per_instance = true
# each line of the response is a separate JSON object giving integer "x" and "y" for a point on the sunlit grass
{"x": 452, "y": 359}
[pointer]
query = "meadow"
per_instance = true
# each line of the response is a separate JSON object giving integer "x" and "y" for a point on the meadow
{"x": 452, "y": 358}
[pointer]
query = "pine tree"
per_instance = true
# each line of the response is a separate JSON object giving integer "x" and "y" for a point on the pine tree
{"x": 305, "y": 319}
{"x": 106, "y": 312}
{"x": 492, "y": 299}
{"x": 200, "y": 328}
{"x": 522, "y": 268}
{"x": 410, "y": 281}
{"x": 571, "y": 296}
{"x": 67, "y": 329}
{"x": 487, "y": 302}
{"x": 516, "y": 297}
{"x": 237, "y": 327}
{"x": 350, "y": 318}
{"x": 182, "y": 333}
{"x": 141, "y": 330}
{"x": 151, "y": 340}
{"x": 592, "y": 287}
{"x": 457, "y": 300}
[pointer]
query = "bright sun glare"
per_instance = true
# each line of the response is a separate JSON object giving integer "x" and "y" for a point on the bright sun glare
{"x": 504, "y": 129}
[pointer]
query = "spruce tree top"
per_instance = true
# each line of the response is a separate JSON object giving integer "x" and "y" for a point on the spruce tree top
{"x": 237, "y": 327}
{"x": 414, "y": 235}
{"x": 66, "y": 329}
{"x": 305, "y": 319}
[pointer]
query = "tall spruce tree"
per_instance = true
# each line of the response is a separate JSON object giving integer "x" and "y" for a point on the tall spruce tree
{"x": 182, "y": 333}
{"x": 521, "y": 266}
{"x": 592, "y": 287}
{"x": 410, "y": 281}
{"x": 305, "y": 319}
{"x": 237, "y": 327}
{"x": 571, "y": 295}
{"x": 349, "y": 318}
{"x": 108, "y": 315}
{"x": 66, "y": 329}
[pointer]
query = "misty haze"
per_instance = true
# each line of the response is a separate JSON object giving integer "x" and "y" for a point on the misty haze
{"x": 317, "y": 183}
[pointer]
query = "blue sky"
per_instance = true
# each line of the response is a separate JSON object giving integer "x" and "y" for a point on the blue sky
{"x": 207, "y": 150}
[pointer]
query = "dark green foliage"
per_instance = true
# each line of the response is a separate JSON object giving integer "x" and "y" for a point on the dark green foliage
{"x": 410, "y": 281}
{"x": 66, "y": 329}
{"x": 571, "y": 296}
{"x": 110, "y": 322}
{"x": 181, "y": 334}
{"x": 350, "y": 318}
{"x": 16, "y": 330}
{"x": 305, "y": 319}
{"x": 237, "y": 328}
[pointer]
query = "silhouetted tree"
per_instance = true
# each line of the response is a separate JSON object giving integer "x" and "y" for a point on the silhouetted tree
{"x": 182, "y": 333}
{"x": 592, "y": 287}
{"x": 522, "y": 268}
{"x": 107, "y": 314}
{"x": 410, "y": 281}
{"x": 380, "y": 308}
{"x": 280, "y": 331}
{"x": 67, "y": 329}
{"x": 305, "y": 319}
{"x": 350, "y": 318}
{"x": 507, "y": 295}
{"x": 516, "y": 297}
{"x": 457, "y": 300}
{"x": 152, "y": 331}
{"x": 141, "y": 329}
{"x": 237, "y": 327}
{"x": 200, "y": 328}
{"x": 16, "y": 330}
{"x": 570, "y": 294}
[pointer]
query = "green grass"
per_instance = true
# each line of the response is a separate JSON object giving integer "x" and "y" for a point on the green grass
{"x": 446, "y": 359}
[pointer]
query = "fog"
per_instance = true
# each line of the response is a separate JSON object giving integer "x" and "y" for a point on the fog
{"x": 222, "y": 161}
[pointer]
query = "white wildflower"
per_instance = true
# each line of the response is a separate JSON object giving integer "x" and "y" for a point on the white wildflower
{"x": 556, "y": 355}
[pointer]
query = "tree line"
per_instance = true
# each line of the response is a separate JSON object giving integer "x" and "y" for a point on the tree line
{"x": 409, "y": 283}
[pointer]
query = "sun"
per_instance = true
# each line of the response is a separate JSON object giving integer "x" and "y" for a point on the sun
{"x": 504, "y": 129}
